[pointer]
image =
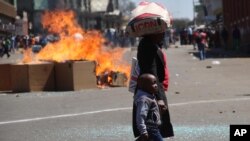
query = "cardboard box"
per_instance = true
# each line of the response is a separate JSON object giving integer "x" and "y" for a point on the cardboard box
{"x": 33, "y": 77}
{"x": 118, "y": 79}
{"x": 75, "y": 75}
{"x": 5, "y": 80}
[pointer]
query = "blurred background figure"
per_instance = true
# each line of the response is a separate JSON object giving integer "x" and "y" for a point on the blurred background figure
{"x": 236, "y": 37}
{"x": 224, "y": 36}
{"x": 202, "y": 44}
{"x": 190, "y": 35}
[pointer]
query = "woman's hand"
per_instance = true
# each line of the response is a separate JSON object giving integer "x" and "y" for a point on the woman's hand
{"x": 160, "y": 102}
{"x": 162, "y": 106}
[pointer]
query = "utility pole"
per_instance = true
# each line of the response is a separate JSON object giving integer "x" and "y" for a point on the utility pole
{"x": 194, "y": 13}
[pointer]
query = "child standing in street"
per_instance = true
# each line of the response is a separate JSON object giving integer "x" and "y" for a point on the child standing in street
{"x": 147, "y": 112}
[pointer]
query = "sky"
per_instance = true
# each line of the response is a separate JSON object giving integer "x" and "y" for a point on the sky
{"x": 178, "y": 8}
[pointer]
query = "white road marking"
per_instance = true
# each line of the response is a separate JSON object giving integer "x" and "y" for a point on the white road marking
{"x": 209, "y": 101}
{"x": 118, "y": 109}
{"x": 65, "y": 115}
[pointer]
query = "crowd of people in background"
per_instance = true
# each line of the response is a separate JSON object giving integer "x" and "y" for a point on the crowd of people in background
{"x": 114, "y": 37}
{"x": 118, "y": 37}
{"x": 205, "y": 37}
{"x": 211, "y": 38}
{"x": 10, "y": 44}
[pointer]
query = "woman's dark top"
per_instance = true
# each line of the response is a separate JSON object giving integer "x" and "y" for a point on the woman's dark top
{"x": 150, "y": 60}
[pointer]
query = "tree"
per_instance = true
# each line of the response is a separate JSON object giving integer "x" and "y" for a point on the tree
{"x": 181, "y": 23}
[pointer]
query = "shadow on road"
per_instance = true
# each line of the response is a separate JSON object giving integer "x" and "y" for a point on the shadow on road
{"x": 221, "y": 53}
{"x": 244, "y": 95}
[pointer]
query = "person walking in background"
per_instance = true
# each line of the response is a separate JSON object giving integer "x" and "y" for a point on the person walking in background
{"x": 225, "y": 35}
{"x": 236, "y": 37}
{"x": 166, "y": 39}
{"x": 151, "y": 60}
{"x": 147, "y": 112}
{"x": 201, "y": 42}
{"x": 217, "y": 38}
{"x": 172, "y": 36}
{"x": 195, "y": 37}
{"x": 5, "y": 45}
{"x": 1, "y": 46}
{"x": 108, "y": 36}
{"x": 13, "y": 44}
{"x": 183, "y": 36}
{"x": 26, "y": 41}
{"x": 190, "y": 35}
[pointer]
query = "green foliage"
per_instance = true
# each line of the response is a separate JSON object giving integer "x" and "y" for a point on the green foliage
{"x": 181, "y": 23}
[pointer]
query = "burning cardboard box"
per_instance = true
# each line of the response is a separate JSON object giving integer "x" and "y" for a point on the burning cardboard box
{"x": 32, "y": 77}
{"x": 118, "y": 79}
{"x": 113, "y": 79}
{"x": 5, "y": 82}
{"x": 75, "y": 75}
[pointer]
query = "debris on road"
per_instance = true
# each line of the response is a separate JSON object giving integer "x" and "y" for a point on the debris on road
{"x": 216, "y": 62}
{"x": 177, "y": 92}
{"x": 209, "y": 67}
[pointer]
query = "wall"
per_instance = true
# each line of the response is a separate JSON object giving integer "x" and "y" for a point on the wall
{"x": 214, "y": 8}
{"x": 7, "y": 18}
{"x": 7, "y": 9}
{"x": 238, "y": 13}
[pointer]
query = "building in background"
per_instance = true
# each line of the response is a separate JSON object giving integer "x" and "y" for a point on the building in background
{"x": 7, "y": 17}
{"x": 21, "y": 25}
{"x": 213, "y": 11}
{"x": 91, "y": 14}
{"x": 104, "y": 14}
{"x": 230, "y": 13}
{"x": 25, "y": 14}
{"x": 237, "y": 12}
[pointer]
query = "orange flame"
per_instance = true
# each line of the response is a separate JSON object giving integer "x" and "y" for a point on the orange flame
{"x": 78, "y": 44}
{"x": 27, "y": 55}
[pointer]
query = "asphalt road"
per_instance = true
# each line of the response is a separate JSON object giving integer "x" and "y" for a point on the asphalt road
{"x": 204, "y": 99}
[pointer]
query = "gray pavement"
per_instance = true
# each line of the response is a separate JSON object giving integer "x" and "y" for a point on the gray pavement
{"x": 203, "y": 102}
{"x": 14, "y": 57}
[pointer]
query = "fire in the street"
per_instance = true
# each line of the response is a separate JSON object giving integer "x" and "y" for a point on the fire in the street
{"x": 27, "y": 56}
{"x": 76, "y": 43}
